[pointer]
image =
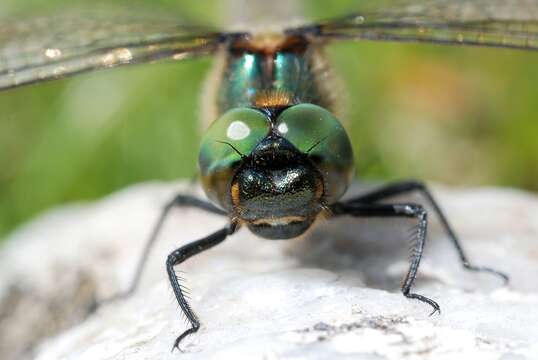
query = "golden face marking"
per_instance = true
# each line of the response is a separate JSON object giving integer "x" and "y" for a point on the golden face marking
{"x": 273, "y": 99}
{"x": 234, "y": 192}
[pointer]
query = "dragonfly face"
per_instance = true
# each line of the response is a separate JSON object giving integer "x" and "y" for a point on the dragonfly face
{"x": 276, "y": 169}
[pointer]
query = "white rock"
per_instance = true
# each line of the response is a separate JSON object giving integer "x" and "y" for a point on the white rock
{"x": 333, "y": 295}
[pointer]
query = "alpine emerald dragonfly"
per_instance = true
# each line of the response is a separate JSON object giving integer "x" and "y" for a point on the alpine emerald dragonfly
{"x": 274, "y": 158}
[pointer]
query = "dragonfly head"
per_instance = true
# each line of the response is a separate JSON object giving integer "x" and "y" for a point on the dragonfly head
{"x": 276, "y": 170}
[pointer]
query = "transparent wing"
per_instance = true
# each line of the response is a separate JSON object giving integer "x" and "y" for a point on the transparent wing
{"x": 53, "y": 47}
{"x": 496, "y": 23}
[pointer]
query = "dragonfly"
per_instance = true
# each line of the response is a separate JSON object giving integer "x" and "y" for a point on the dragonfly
{"x": 275, "y": 158}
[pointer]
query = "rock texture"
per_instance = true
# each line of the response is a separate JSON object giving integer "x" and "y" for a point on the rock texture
{"x": 332, "y": 295}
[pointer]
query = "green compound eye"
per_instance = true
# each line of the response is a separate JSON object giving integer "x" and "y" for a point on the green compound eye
{"x": 317, "y": 133}
{"x": 240, "y": 128}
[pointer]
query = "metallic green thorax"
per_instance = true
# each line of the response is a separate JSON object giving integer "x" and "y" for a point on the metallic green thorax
{"x": 250, "y": 72}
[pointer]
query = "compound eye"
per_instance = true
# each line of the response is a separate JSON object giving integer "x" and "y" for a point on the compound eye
{"x": 316, "y": 132}
{"x": 235, "y": 133}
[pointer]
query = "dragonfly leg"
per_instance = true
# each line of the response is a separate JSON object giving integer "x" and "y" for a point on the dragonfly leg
{"x": 404, "y": 187}
{"x": 178, "y": 201}
{"x": 408, "y": 210}
{"x": 180, "y": 255}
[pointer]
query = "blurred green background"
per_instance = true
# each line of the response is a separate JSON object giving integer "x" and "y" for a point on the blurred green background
{"x": 459, "y": 116}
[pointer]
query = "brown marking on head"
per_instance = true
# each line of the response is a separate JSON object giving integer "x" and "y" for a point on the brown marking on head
{"x": 320, "y": 189}
{"x": 234, "y": 192}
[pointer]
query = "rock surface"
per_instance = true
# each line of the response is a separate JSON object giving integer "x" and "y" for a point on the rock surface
{"x": 332, "y": 295}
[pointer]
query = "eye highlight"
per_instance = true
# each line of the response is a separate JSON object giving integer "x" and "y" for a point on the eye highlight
{"x": 316, "y": 132}
{"x": 238, "y": 130}
{"x": 282, "y": 128}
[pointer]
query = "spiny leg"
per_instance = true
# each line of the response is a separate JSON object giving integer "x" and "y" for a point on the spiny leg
{"x": 404, "y": 187}
{"x": 182, "y": 254}
{"x": 178, "y": 201}
{"x": 353, "y": 208}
